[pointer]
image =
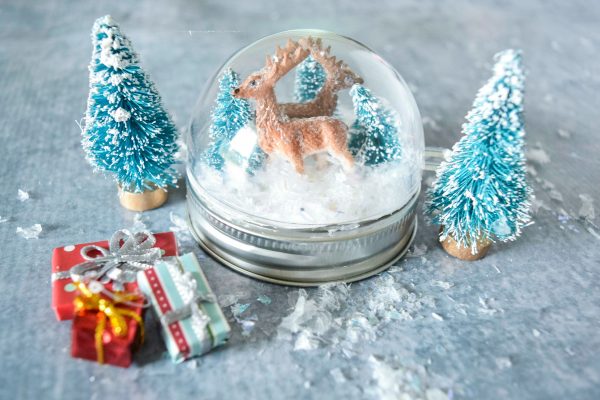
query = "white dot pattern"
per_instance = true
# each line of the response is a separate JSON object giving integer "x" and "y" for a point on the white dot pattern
{"x": 164, "y": 306}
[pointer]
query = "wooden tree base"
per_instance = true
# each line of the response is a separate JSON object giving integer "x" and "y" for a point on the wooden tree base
{"x": 464, "y": 253}
{"x": 143, "y": 201}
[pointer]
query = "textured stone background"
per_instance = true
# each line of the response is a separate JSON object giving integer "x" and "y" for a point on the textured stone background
{"x": 523, "y": 323}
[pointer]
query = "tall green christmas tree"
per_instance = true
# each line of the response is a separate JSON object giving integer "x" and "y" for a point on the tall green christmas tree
{"x": 228, "y": 117}
{"x": 310, "y": 78}
{"x": 127, "y": 131}
{"x": 374, "y": 134}
{"x": 481, "y": 192}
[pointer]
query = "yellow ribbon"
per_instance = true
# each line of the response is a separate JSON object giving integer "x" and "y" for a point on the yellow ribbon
{"x": 107, "y": 308}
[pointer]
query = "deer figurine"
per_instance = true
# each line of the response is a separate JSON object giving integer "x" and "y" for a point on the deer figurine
{"x": 338, "y": 76}
{"x": 293, "y": 138}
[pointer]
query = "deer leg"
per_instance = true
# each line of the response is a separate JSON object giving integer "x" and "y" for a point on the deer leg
{"x": 295, "y": 157}
{"x": 337, "y": 146}
{"x": 345, "y": 158}
{"x": 298, "y": 162}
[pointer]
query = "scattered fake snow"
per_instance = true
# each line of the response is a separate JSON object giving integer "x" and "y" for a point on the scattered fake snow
{"x": 139, "y": 222}
{"x": 393, "y": 383}
{"x": 587, "y": 211}
{"x": 563, "y": 133}
{"x": 32, "y": 232}
{"x": 442, "y": 284}
{"x": 552, "y": 191}
{"x": 264, "y": 299}
{"x": 503, "y": 362}
{"x": 247, "y": 323}
{"x": 337, "y": 375}
{"x": 486, "y": 306}
{"x": 437, "y": 316}
{"x": 538, "y": 156}
{"x": 22, "y": 195}
{"x": 180, "y": 228}
{"x": 325, "y": 194}
{"x": 335, "y": 317}
{"x": 593, "y": 232}
{"x": 238, "y": 309}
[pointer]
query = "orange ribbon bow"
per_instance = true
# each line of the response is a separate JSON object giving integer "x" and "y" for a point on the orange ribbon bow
{"x": 108, "y": 309}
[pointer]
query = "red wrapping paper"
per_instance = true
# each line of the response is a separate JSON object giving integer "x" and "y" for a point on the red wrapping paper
{"x": 118, "y": 350}
{"x": 63, "y": 258}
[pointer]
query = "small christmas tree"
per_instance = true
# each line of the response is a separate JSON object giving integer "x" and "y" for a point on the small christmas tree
{"x": 374, "y": 138}
{"x": 310, "y": 77}
{"x": 127, "y": 131}
{"x": 228, "y": 117}
{"x": 481, "y": 192}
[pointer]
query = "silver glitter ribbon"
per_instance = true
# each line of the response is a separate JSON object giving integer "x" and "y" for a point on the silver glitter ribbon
{"x": 127, "y": 254}
{"x": 192, "y": 308}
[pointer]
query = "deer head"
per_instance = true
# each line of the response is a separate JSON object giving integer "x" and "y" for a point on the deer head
{"x": 254, "y": 86}
{"x": 262, "y": 82}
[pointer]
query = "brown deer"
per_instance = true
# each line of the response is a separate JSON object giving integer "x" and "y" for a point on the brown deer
{"x": 295, "y": 139}
{"x": 339, "y": 76}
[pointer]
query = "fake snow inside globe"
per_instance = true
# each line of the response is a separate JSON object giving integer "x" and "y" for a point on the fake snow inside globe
{"x": 305, "y": 160}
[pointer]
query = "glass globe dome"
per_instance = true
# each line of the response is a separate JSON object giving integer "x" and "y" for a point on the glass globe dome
{"x": 305, "y": 155}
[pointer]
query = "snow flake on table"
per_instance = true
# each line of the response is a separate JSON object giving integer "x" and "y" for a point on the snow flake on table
{"x": 538, "y": 156}
{"x": 22, "y": 195}
{"x": 264, "y": 299}
{"x": 246, "y": 323}
{"x": 393, "y": 382}
{"x": 32, "y": 232}
{"x": 587, "y": 211}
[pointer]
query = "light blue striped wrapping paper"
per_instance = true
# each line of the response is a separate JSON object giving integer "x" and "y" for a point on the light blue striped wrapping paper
{"x": 160, "y": 285}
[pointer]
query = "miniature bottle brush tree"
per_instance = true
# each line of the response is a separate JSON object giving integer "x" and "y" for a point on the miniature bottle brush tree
{"x": 481, "y": 193}
{"x": 374, "y": 137}
{"x": 310, "y": 78}
{"x": 127, "y": 132}
{"x": 228, "y": 117}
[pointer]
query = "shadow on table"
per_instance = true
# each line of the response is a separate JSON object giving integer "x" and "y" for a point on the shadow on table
{"x": 153, "y": 348}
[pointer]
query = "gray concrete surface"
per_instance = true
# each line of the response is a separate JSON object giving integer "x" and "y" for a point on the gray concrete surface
{"x": 521, "y": 324}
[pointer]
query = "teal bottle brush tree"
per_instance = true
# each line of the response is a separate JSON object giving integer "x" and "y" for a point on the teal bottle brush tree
{"x": 374, "y": 138}
{"x": 228, "y": 117}
{"x": 481, "y": 194}
{"x": 127, "y": 133}
{"x": 310, "y": 78}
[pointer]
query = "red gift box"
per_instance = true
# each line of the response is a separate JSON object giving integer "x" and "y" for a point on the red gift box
{"x": 93, "y": 336}
{"x": 63, "y": 258}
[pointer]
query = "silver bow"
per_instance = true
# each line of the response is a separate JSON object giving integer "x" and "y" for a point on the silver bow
{"x": 127, "y": 254}
{"x": 192, "y": 308}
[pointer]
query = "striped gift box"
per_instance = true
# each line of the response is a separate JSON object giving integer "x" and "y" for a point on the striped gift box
{"x": 176, "y": 285}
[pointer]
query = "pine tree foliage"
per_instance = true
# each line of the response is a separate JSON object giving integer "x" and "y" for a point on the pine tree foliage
{"x": 481, "y": 191}
{"x": 310, "y": 78}
{"x": 374, "y": 134}
{"x": 228, "y": 117}
{"x": 127, "y": 131}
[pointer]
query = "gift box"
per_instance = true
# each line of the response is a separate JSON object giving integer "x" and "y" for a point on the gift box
{"x": 65, "y": 258}
{"x": 107, "y": 330}
{"x": 192, "y": 321}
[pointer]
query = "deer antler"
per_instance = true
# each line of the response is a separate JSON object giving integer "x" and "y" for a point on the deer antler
{"x": 285, "y": 59}
{"x": 338, "y": 73}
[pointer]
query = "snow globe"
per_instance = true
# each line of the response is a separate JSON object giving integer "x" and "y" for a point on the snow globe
{"x": 305, "y": 155}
